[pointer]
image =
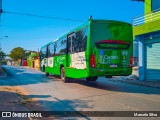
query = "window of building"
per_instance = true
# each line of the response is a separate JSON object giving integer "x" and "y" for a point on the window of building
{"x": 155, "y": 5}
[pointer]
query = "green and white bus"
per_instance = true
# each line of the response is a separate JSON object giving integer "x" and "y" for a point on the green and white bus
{"x": 96, "y": 48}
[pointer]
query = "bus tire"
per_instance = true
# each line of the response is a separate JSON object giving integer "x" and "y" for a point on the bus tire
{"x": 92, "y": 78}
{"x": 43, "y": 68}
{"x": 63, "y": 75}
{"x": 47, "y": 74}
{"x": 109, "y": 76}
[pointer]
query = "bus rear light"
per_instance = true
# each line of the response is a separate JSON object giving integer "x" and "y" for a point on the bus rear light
{"x": 92, "y": 61}
{"x": 112, "y": 42}
{"x": 131, "y": 61}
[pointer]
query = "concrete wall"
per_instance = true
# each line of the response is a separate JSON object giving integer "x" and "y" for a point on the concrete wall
{"x": 141, "y": 59}
{"x": 147, "y": 27}
{"x": 147, "y": 6}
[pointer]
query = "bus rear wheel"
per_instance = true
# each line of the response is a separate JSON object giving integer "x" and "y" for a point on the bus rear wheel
{"x": 43, "y": 69}
{"x": 92, "y": 78}
{"x": 47, "y": 74}
{"x": 108, "y": 76}
{"x": 63, "y": 75}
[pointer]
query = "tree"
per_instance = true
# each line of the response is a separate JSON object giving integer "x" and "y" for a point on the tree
{"x": 27, "y": 53}
{"x": 2, "y": 56}
{"x": 17, "y": 53}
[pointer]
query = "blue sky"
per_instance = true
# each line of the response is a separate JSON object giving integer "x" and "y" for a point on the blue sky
{"x": 31, "y": 33}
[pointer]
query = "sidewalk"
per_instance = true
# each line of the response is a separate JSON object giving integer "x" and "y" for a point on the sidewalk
{"x": 154, "y": 84}
{"x": 11, "y": 99}
{"x": 133, "y": 79}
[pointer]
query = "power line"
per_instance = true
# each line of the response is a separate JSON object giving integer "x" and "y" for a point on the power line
{"x": 41, "y": 16}
{"x": 30, "y": 38}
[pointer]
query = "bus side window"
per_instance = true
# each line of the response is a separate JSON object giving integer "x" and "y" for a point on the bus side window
{"x": 71, "y": 43}
{"x": 81, "y": 40}
{"x": 51, "y": 50}
{"x": 43, "y": 53}
{"x": 40, "y": 55}
{"x": 48, "y": 51}
{"x": 63, "y": 46}
{"x": 55, "y": 47}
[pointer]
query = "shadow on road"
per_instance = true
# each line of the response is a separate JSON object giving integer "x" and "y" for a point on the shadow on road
{"x": 38, "y": 96}
{"x": 104, "y": 84}
{"x": 58, "y": 105}
{"x": 55, "y": 104}
{"x": 11, "y": 101}
{"x": 22, "y": 76}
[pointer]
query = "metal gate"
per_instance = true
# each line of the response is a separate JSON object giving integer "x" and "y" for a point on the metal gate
{"x": 152, "y": 66}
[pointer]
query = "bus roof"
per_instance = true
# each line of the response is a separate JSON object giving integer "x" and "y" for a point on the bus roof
{"x": 82, "y": 26}
{"x": 65, "y": 35}
{"x": 73, "y": 30}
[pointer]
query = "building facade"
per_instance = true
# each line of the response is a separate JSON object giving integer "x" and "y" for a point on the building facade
{"x": 146, "y": 30}
{"x": 33, "y": 60}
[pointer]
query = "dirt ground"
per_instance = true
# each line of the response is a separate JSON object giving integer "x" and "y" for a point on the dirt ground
{"x": 16, "y": 98}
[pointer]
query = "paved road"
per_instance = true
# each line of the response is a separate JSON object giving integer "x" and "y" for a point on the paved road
{"x": 81, "y": 95}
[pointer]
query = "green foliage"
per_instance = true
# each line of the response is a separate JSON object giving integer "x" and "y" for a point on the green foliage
{"x": 2, "y": 56}
{"x": 27, "y": 53}
{"x": 17, "y": 53}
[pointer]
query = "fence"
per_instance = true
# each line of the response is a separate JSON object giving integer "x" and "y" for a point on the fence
{"x": 147, "y": 18}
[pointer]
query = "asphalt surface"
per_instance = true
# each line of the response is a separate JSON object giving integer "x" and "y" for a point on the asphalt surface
{"x": 79, "y": 95}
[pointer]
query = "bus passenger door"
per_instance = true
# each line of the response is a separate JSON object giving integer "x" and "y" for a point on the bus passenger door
{"x": 70, "y": 49}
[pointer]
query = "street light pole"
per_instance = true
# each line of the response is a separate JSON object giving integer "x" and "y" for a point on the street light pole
{"x": 0, "y": 41}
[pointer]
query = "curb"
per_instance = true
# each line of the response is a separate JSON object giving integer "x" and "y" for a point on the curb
{"x": 133, "y": 82}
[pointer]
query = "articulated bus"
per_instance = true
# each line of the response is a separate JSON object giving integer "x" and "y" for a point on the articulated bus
{"x": 96, "y": 48}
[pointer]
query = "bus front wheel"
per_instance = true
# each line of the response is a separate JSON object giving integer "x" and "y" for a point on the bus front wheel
{"x": 63, "y": 75}
{"x": 92, "y": 78}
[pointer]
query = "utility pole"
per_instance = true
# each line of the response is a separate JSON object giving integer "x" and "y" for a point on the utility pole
{"x": 139, "y": 0}
{"x": 0, "y": 41}
{"x": 0, "y": 21}
{"x": 0, "y": 9}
